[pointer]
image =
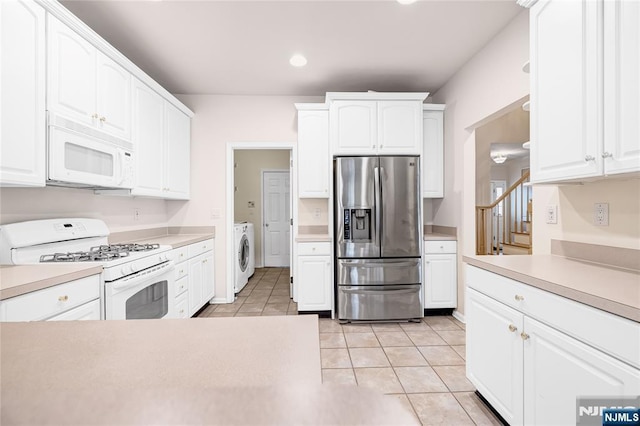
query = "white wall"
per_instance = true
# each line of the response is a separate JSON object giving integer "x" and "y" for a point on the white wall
{"x": 491, "y": 81}
{"x": 220, "y": 119}
{"x": 248, "y": 183}
{"x": 20, "y": 204}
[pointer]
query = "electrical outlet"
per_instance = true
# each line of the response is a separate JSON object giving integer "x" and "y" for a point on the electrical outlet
{"x": 552, "y": 214}
{"x": 316, "y": 213}
{"x": 251, "y": 204}
{"x": 136, "y": 215}
{"x": 601, "y": 214}
{"x": 215, "y": 214}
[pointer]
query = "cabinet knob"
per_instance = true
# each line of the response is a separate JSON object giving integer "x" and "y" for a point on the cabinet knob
{"x": 524, "y": 336}
{"x": 182, "y": 311}
{"x": 607, "y": 155}
{"x": 519, "y": 298}
{"x": 373, "y": 146}
{"x": 589, "y": 158}
{"x": 380, "y": 145}
{"x": 94, "y": 116}
{"x": 103, "y": 119}
{"x": 63, "y": 298}
{"x": 513, "y": 328}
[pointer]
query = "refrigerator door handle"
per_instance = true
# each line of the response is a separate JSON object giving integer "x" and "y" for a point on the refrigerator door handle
{"x": 377, "y": 191}
{"x": 394, "y": 291}
{"x": 360, "y": 264}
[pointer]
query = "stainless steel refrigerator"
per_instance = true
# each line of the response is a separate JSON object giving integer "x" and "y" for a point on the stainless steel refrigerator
{"x": 377, "y": 238}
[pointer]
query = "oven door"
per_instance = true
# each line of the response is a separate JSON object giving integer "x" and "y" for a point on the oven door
{"x": 147, "y": 294}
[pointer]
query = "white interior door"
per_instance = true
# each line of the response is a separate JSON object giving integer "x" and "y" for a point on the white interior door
{"x": 276, "y": 218}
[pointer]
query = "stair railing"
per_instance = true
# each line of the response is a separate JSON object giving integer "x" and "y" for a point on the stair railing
{"x": 509, "y": 215}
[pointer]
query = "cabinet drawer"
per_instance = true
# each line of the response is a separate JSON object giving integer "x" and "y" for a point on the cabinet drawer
{"x": 436, "y": 247}
{"x": 199, "y": 248}
{"x": 182, "y": 284}
{"x": 88, "y": 311}
{"x": 48, "y": 302}
{"x": 319, "y": 248}
{"x": 180, "y": 254}
{"x": 614, "y": 335}
{"x": 182, "y": 306}
{"x": 182, "y": 270}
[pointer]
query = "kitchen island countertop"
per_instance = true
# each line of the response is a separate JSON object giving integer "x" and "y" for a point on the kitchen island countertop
{"x": 247, "y": 370}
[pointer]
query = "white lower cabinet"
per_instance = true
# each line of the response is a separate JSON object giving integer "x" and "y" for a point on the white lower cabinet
{"x": 194, "y": 280}
{"x": 314, "y": 276}
{"x": 56, "y": 303}
{"x": 440, "y": 275}
{"x": 531, "y": 353}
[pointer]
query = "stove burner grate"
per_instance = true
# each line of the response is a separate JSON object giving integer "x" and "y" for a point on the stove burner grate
{"x": 99, "y": 253}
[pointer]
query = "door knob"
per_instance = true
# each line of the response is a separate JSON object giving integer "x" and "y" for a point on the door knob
{"x": 266, "y": 224}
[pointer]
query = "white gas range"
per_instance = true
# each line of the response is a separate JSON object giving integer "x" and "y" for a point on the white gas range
{"x": 138, "y": 278}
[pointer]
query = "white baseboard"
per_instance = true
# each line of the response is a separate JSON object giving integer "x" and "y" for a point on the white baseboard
{"x": 219, "y": 300}
{"x": 457, "y": 315}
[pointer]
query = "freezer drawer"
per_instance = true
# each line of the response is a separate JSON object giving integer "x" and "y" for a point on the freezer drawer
{"x": 379, "y": 271}
{"x": 379, "y": 302}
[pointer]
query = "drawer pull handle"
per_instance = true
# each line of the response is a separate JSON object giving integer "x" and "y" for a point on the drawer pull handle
{"x": 524, "y": 336}
{"x": 513, "y": 328}
{"x": 181, "y": 270}
{"x": 519, "y": 298}
{"x": 63, "y": 298}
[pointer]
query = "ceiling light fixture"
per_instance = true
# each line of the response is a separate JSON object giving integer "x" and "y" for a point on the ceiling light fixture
{"x": 406, "y": 1}
{"x": 499, "y": 158}
{"x": 298, "y": 60}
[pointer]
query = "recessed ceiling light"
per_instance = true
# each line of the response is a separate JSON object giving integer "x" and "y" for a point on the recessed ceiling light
{"x": 406, "y": 1}
{"x": 298, "y": 61}
{"x": 499, "y": 158}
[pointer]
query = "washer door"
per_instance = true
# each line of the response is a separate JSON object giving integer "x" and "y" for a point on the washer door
{"x": 243, "y": 253}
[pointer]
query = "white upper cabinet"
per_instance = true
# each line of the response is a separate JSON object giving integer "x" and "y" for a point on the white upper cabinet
{"x": 399, "y": 127}
{"x": 375, "y": 123}
{"x": 84, "y": 85}
{"x": 177, "y": 153}
{"x": 162, "y": 140}
{"x": 622, "y": 86}
{"x": 433, "y": 151}
{"x": 353, "y": 127}
{"x": 584, "y": 98}
{"x": 313, "y": 151}
{"x": 22, "y": 84}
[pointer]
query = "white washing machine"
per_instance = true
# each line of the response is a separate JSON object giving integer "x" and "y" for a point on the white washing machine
{"x": 241, "y": 250}
{"x": 251, "y": 269}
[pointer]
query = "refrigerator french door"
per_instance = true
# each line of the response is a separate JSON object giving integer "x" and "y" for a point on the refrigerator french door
{"x": 377, "y": 238}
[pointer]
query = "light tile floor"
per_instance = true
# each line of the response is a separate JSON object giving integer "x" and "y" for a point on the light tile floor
{"x": 420, "y": 364}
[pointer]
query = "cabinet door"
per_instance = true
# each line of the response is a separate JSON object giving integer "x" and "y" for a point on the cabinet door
{"x": 178, "y": 153}
{"x": 148, "y": 116}
{"x": 433, "y": 156}
{"x": 353, "y": 127}
{"x": 22, "y": 104}
{"x": 208, "y": 274}
{"x": 313, "y": 154}
{"x": 196, "y": 284}
{"x": 399, "y": 127}
{"x": 71, "y": 72}
{"x": 494, "y": 354}
{"x": 88, "y": 311}
{"x": 622, "y": 87}
{"x": 314, "y": 283}
{"x": 182, "y": 305}
{"x": 566, "y": 89}
{"x": 559, "y": 369}
{"x": 440, "y": 283}
{"x": 113, "y": 85}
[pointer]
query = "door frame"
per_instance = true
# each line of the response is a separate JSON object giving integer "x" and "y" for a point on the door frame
{"x": 262, "y": 172}
{"x": 229, "y": 295}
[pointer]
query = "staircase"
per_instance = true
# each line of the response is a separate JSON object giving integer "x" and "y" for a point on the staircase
{"x": 504, "y": 226}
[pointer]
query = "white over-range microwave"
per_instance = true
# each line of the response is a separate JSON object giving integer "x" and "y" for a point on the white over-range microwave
{"x": 81, "y": 157}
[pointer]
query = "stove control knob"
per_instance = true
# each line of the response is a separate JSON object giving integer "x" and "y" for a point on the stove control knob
{"x": 132, "y": 267}
{"x": 124, "y": 270}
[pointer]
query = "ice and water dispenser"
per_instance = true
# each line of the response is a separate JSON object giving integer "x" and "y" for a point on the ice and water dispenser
{"x": 357, "y": 225}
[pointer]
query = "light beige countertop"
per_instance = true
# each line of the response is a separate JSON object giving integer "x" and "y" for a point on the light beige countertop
{"x": 246, "y": 370}
{"x": 177, "y": 240}
{"x": 20, "y": 279}
{"x": 312, "y": 238}
{"x": 434, "y": 236}
{"x": 611, "y": 289}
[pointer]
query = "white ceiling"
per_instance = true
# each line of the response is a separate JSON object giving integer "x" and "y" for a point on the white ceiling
{"x": 243, "y": 47}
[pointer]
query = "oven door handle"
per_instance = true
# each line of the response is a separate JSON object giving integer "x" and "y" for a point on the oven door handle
{"x": 143, "y": 275}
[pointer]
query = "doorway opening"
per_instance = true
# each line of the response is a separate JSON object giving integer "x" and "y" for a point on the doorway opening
{"x": 259, "y": 188}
